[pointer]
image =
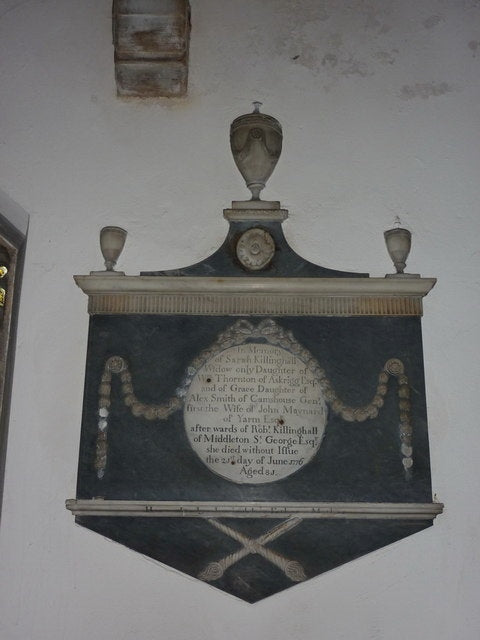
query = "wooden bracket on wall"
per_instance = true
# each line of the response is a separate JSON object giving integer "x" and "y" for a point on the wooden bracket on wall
{"x": 151, "y": 40}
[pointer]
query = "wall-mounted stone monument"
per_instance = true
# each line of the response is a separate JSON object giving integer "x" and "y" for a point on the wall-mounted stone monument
{"x": 254, "y": 420}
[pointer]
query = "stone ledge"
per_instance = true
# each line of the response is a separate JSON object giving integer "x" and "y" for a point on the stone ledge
{"x": 111, "y": 294}
{"x": 212, "y": 509}
{"x": 113, "y": 284}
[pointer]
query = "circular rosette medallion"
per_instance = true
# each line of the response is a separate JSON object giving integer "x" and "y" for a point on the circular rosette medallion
{"x": 255, "y": 413}
{"x": 255, "y": 249}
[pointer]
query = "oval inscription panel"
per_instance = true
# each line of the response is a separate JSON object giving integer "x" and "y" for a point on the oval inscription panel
{"x": 255, "y": 413}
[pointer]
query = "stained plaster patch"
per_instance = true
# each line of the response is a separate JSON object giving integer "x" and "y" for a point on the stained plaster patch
{"x": 424, "y": 90}
{"x": 473, "y": 45}
{"x": 325, "y": 39}
{"x": 432, "y": 21}
{"x": 386, "y": 57}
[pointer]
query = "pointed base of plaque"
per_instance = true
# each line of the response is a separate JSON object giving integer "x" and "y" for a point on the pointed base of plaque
{"x": 196, "y": 548}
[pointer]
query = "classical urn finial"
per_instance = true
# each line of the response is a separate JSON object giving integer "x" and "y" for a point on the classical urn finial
{"x": 112, "y": 240}
{"x": 256, "y": 143}
{"x": 399, "y": 242}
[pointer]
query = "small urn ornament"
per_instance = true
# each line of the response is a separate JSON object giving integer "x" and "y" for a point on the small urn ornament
{"x": 112, "y": 241}
{"x": 256, "y": 143}
{"x": 399, "y": 242}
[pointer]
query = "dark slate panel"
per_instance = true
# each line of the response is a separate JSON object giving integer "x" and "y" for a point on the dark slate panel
{"x": 153, "y": 460}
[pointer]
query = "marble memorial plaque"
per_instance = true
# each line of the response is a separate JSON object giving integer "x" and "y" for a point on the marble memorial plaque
{"x": 254, "y": 420}
{"x": 295, "y": 437}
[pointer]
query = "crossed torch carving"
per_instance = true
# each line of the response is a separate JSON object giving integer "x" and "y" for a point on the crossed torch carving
{"x": 291, "y": 568}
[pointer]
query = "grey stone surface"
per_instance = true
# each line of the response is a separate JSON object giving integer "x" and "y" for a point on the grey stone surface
{"x": 151, "y": 42}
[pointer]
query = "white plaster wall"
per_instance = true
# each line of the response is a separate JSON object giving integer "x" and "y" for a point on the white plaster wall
{"x": 379, "y": 102}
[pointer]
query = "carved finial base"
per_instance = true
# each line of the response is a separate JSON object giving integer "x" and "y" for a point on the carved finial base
{"x": 402, "y": 275}
{"x": 255, "y": 204}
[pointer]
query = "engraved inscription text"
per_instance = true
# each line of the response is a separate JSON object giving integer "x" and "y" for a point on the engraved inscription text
{"x": 254, "y": 413}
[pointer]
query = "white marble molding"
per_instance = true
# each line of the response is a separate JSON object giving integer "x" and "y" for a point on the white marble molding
{"x": 212, "y": 509}
{"x": 189, "y": 295}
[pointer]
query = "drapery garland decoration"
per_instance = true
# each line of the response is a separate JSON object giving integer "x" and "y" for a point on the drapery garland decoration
{"x": 239, "y": 333}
